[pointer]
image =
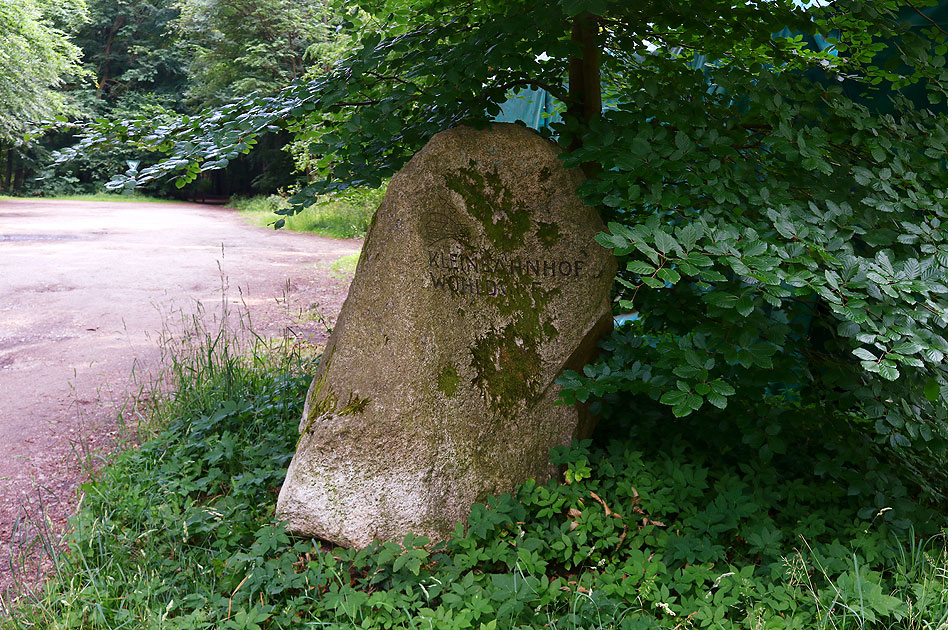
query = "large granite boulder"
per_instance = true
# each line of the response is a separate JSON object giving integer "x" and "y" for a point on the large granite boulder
{"x": 479, "y": 282}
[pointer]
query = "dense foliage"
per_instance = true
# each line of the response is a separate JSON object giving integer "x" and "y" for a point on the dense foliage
{"x": 776, "y": 204}
{"x": 240, "y": 47}
{"x": 37, "y": 57}
{"x": 154, "y": 60}
{"x": 649, "y": 531}
{"x": 127, "y": 48}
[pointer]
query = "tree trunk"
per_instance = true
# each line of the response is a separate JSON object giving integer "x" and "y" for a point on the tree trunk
{"x": 585, "y": 87}
{"x": 105, "y": 67}
{"x": 3, "y": 156}
{"x": 585, "y": 90}
{"x": 9, "y": 174}
{"x": 19, "y": 174}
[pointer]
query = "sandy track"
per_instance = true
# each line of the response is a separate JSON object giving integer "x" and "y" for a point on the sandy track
{"x": 85, "y": 288}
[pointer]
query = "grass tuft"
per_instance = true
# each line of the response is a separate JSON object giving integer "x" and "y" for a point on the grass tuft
{"x": 343, "y": 215}
{"x": 346, "y": 265}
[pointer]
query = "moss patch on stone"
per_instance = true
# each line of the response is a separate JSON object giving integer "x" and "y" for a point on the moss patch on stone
{"x": 354, "y": 405}
{"x": 507, "y": 365}
{"x": 548, "y": 234}
{"x": 491, "y": 203}
{"x": 448, "y": 381}
{"x": 323, "y": 400}
{"x": 507, "y": 362}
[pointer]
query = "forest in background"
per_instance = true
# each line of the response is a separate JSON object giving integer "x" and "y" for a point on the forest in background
{"x": 69, "y": 62}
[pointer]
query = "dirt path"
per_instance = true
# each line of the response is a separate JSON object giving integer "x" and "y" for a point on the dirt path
{"x": 85, "y": 288}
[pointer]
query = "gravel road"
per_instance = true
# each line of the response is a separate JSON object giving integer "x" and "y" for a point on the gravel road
{"x": 85, "y": 289}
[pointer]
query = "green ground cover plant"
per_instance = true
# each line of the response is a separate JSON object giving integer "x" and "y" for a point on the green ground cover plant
{"x": 664, "y": 525}
{"x": 345, "y": 214}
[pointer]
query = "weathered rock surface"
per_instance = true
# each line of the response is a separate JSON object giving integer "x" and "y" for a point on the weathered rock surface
{"x": 479, "y": 282}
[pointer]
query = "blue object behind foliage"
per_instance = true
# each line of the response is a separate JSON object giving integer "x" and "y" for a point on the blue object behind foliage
{"x": 535, "y": 108}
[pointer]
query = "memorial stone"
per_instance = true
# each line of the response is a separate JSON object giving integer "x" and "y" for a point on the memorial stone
{"x": 478, "y": 284}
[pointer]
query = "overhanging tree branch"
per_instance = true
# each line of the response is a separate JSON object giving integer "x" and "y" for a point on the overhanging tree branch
{"x": 928, "y": 19}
